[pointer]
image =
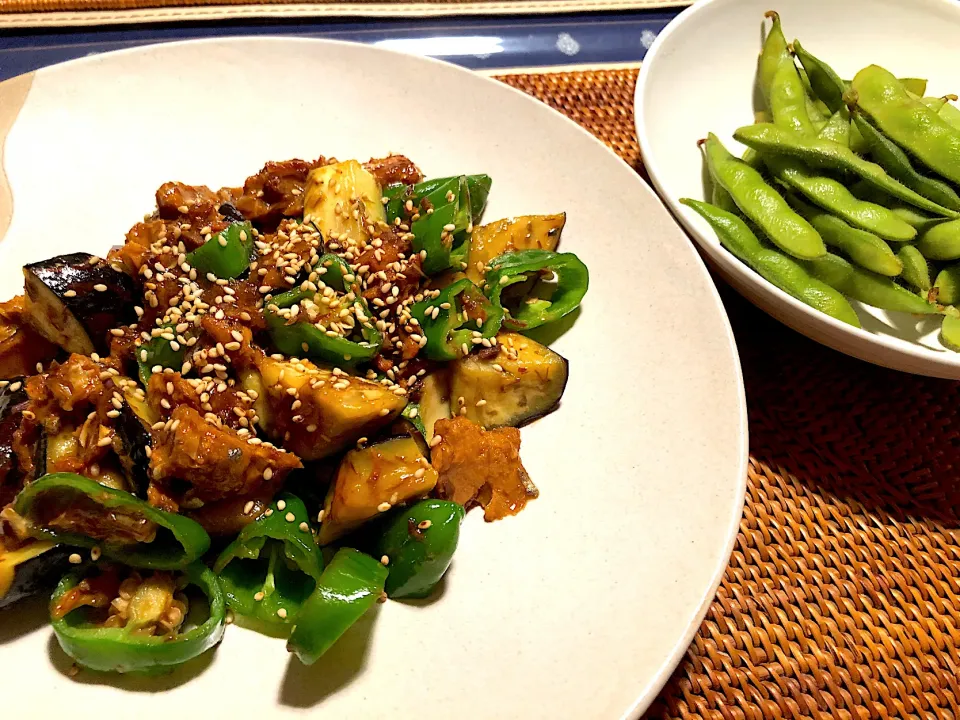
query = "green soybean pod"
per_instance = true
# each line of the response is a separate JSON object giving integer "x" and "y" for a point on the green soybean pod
{"x": 947, "y": 285}
{"x": 916, "y": 269}
{"x": 950, "y": 114}
{"x": 891, "y": 158}
{"x": 721, "y": 198}
{"x": 772, "y": 139}
{"x": 941, "y": 242}
{"x": 908, "y": 122}
{"x": 761, "y": 203}
{"x": 780, "y": 83}
{"x": 834, "y": 196}
{"x": 864, "y": 248}
{"x": 917, "y": 86}
{"x": 950, "y": 332}
{"x": 867, "y": 287}
{"x": 837, "y": 128}
{"x": 826, "y": 84}
{"x": 775, "y": 267}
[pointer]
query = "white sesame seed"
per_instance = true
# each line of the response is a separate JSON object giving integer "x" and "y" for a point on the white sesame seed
{"x": 95, "y": 553}
{"x": 75, "y": 559}
{"x": 248, "y": 507}
{"x": 384, "y": 506}
{"x": 70, "y": 293}
{"x": 384, "y": 560}
{"x": 281, "y": 505}
{"x": 258, "y": 596}
{"x": 289, "y": 517}
{"x": 304, "y": 527}
{"x": 423, "y": 525}
{"x": 436, "y": 440}
{"x": 320, "y": 516}
{"x": 282, "y": 613}
{"x": 100, "y": 287}
{"x": 419, "y": 473}
{"x": 267, "y": 475}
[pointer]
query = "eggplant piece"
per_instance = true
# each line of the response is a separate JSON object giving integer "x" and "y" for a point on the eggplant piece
{"x": 527, "y": 232}
{"x": 74, "y": 300}
{"x": 371, "y": 480}
{"x": 524, "y": 380}
{"x": 30, "y": 570}
{"x": 333, "y": 193}
{"x": 133, "y": 429}
{"x": 334, "y": 410}
{"x": 434, "y": 401}
{"x": 13, "y": 401}
{"x": 230, "y": 213}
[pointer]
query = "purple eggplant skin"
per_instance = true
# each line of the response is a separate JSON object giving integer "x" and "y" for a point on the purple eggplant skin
{"x": 74, "y": 300}
{"x": 135, "y": 439}
{"x": 34, "y": 575}
{"x": 13, "y": 401}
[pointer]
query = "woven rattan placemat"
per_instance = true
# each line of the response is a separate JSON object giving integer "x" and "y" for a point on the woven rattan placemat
{"x": 842, "y": 598}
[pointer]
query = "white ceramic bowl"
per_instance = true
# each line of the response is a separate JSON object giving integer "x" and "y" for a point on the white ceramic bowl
{"x": 698, "y": 77}
{"x": 582, "y": 605}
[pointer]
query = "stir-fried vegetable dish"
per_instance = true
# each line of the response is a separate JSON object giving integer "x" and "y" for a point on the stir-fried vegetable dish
{"x": 273, "y": 404}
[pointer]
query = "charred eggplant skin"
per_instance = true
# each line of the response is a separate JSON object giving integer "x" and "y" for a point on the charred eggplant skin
{"x": 13, "y": 399}
{"x": 135, "y": 439}
{"x": 87, "y": 289}
{"x": 31, "y": 570}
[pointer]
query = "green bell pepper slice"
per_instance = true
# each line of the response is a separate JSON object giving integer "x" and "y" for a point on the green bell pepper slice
{"x": 303, "y": 338}
{"x": 449, "y": 321}
{"x": 477, "y": 191}
{"x": 572, "y": 281}
{"x": 123, "y": 649}
{"x": 159, "y": 351}
{"x": 271, "y": 568}
{"x": 226, "y": 254}
{"x": 448, "y": 209}
{"x": 419, "y": 542}
{"x": 349, "y": 586}
{"x": 178, "y": 540}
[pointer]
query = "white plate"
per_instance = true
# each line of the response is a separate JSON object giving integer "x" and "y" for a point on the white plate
{"x": 698, "y": 77}
{"x": 581, "y": 606}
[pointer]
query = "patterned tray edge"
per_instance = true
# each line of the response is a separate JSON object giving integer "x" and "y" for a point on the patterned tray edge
{"x": 11, "y": 18}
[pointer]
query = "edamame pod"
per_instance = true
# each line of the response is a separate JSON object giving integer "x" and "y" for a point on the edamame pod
{"x": 837, "y": 128}
{"x": 908, "y": 122}
{"x": 916, "y": 269}
{"x": 761, "y": 203}
{"x": 950, "y": 333}
{"x": 767, "y": 138}
{"x": 941, "y": 242}
{"x": 867, "y": 287}
{"x": 834, "y": 196}
{"x": 949, "y": 113}
{"x": 917, "y": 86}
{"x": 773, "y": 266}
{"x": 864, "y": 248}
{"x": 937, "y": 103}
{"x": 780, "y": 82}
{"x": 721, "y": 198}
{"x": 948, "y": 285}
{"x": 825, "y": 82}
{"x": 891, "y": 158}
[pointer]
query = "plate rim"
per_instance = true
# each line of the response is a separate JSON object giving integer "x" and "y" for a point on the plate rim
{"x": 813, "y": 324}
{"x": 645, "y": 695}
